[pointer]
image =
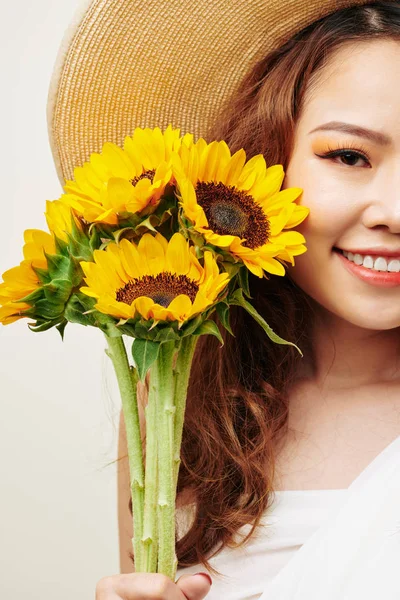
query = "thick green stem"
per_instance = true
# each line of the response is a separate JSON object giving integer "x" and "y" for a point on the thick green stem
{"x": 182, "y": 374}
{"x": 181, "y": 381}
{"x": 166, "y": 496}
{"x": 127, "y": 383}
{"x": 150, "y": 532}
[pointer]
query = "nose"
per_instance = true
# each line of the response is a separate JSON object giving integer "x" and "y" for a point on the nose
{"x": 383, "y": 212}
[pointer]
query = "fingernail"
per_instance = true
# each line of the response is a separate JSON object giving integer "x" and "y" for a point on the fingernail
{"x": 205, "y": 575}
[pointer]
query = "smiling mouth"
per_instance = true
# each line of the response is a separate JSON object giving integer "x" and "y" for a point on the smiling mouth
{"x": 384, "y": 264}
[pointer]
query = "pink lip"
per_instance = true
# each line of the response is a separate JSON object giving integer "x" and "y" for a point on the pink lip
{"x": 380, "y": 278}
{"x": 374, "y": 251}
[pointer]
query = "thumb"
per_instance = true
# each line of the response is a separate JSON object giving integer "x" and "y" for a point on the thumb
{"x": 194, "y": 587}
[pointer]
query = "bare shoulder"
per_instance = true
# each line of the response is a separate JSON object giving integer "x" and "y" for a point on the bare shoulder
{"x": 334, "y": 436}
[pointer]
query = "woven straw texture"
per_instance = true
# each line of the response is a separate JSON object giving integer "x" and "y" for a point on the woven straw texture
{"x": 128, "y": 63}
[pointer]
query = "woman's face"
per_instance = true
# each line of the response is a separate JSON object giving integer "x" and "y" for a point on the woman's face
{"x": 354, "y": 200}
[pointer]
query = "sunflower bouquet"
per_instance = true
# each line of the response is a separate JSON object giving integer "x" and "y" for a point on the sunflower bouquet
{"x": 155, "y": 241}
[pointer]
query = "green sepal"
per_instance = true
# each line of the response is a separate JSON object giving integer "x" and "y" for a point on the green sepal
{"x": 222, "y": 309}
{"x": 42, "y": 274}
{"x": 79, "y": 304}
{"x": 79, "y": 243}
{"x": 232, "y": 268}
{"x": 49, "y": 310}
{"x": 153, "y": 221}
{"x": 166, "y": 335}
{"x": 58, "y": 290}
{"x": 44, "y": 326}
{"x": 33, "y": 296}
{"x": 209, "y": 327}
{"x": 74, "y": 311}
{"x": 144, "y": 354}
{"x": 61, "y": 246}
{"x": 127, "y": 233}
{"x": 238, "y": 299}
{"x": 102, "y": 230}
{"x": 243, "y": 281}
{"x": 190, "y": 326}
{"x": 94, "y": 241}
{"x": 61, "y": 327}
{"x": 58, "y": 266}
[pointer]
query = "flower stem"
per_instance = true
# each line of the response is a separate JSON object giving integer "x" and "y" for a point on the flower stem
{"x": 163, "y": 369}
{"x": 181, "y": 381}
{"x": 127, "y": 382}
{"x": 182, "y": 374}
{"x": 150, "y": 531}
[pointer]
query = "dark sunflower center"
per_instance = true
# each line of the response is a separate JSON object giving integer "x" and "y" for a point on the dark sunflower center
{"x": 161, "y": 288}
{"x": 149, "y": 174}
{"x": 230, "y": 211}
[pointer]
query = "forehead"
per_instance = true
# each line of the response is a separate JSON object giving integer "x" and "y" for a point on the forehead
{"x": 360, "y": 78}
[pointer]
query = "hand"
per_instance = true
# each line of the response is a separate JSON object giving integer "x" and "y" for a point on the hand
{"x": 152, "y": 586}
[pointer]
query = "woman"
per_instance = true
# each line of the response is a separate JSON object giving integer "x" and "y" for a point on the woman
{"x": 308, "y": 447}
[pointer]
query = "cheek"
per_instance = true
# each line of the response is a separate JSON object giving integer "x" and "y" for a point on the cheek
{"x": 332, "y": 205}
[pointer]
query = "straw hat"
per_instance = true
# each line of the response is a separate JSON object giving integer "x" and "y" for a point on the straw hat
{"x": 133, "y": 63}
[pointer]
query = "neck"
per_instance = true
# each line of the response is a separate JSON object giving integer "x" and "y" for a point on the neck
{"x": 348, "y": 356}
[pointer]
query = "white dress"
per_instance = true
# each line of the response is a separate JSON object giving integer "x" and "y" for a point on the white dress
{"x": 318, "y": 544}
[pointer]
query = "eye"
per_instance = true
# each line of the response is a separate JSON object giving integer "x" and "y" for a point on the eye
{"x": 351, "y": 157}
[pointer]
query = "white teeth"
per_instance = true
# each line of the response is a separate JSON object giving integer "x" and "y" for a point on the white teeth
{"x": 368, "y": 262}
{"x": 380, "y": 263}
{"x": 358, "y": 259}
{"x": 394, "y": 266}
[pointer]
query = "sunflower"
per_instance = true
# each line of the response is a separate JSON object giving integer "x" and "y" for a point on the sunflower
{"x": 118, "y": 181}
{"x": 156, "y": 279}
{"x": 237, "y": 205}
{"x": 22, "y": 280}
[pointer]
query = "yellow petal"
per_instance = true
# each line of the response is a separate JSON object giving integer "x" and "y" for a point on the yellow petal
{"x": 234, "y": 167}
{"x": 131, "y": 261}
{"x": 298, "y": 216}
{"x": 177, "y": 255}
{"x": 180, "y": 307}
{"x": 120, "y": 192}
{"x": 152, "y": 254}
{"x": 209, "y": 162}
{"x": 144, "y": 306}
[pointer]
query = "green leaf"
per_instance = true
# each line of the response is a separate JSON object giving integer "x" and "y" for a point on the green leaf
{"x": 209, "y": 327}
{"x": 238, "y": 299}
{"x": 223, "y": 314}
{"x": 144, "y": 353}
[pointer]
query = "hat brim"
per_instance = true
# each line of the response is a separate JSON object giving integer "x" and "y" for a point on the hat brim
{"x": 126, "y": 63}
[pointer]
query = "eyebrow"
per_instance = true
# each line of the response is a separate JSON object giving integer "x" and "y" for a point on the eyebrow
{"x": 373, "y": 136}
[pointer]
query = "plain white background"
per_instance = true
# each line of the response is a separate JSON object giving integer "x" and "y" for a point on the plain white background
{"x": 59, "y": 400}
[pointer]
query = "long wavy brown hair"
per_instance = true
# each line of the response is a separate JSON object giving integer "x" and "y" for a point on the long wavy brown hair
{"x": 237, "y": 406}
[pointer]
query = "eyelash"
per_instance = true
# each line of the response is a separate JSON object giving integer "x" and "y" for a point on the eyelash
{"x": 359, "y": 152}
